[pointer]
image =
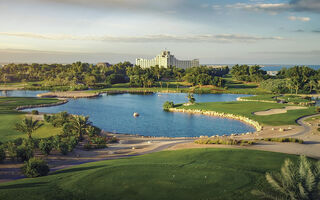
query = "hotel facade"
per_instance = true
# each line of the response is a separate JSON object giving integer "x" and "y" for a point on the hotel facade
{"x": 165, "y": 59}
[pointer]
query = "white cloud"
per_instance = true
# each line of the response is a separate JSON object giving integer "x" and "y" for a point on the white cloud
{"x": 274, "y": 8}
{"x": 220, "y": 38}
{"x": 303, "y": 19}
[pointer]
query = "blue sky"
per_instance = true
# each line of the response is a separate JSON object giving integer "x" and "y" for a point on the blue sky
{"x": 226, "y": 32}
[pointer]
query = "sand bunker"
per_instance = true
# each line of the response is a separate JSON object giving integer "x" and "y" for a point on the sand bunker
{"x": 69, "y": 94}
{"x": 279, "y": 110}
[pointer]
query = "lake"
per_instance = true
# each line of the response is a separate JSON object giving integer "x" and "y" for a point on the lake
{"x": 114, "y": 113}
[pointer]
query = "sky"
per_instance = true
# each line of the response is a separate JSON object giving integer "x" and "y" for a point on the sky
{"x": 214, "y": 31}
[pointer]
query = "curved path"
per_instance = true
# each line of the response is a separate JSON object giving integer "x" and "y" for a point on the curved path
{"x": 306, "y": 127}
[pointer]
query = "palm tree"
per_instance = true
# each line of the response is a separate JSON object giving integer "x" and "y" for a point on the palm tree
{"x": 191, "y": 98}
{"x": 299, "y": 181}
{"x": 80, "y": 124}
{"x": 28, "y": 126}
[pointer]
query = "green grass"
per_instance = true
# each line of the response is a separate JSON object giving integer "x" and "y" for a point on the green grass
{"x": 184, "y": 174}
{"x": 9, "y": 117}
{"x": 248, "y": 108}
{"x": 267, "y": 97}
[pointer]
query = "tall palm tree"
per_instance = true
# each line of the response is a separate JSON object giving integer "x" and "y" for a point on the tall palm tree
{"x": 80, "y": 124}
{"x": 28, "y": 126}
{"x": 299, "y": 181}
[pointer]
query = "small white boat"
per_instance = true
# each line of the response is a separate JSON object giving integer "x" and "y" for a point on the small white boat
{"x": 136, "y": 114}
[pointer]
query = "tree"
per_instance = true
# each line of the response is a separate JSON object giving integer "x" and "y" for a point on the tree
{"x": 80, "y": 124}
{"x": 28, "y": 126}
{"x": 191, "y": 98}
{"x": 299, "y": 181}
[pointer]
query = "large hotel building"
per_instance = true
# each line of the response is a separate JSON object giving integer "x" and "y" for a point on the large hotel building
{"x": 165, "y": 59}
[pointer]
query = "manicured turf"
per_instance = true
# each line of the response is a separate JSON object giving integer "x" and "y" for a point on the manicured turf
{"x": 184, "y": 174}
{"x": 269, "y": 97}
{"x": 248, "y": 108}
{"x": 9, "y": 117}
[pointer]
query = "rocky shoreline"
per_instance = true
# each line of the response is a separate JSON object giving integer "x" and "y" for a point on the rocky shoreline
{"x": 251, "y": 122}
{"x": 42, "y": 105}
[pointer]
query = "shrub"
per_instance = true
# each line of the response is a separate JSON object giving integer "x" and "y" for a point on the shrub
{"x": 87, "y": 146}
{"x": 99, "y": 142}
{"x": 92, "y": 131}
{"x": 2, "y": 154}
{"x": 24, "y": 153}
{"x": 18, "y": 141}
{"x": 225, "y": 141}
{"x": 167, "y": 105}
{"x": 294, "y": 140}
{"x": 45, "y": 146}
{"x": 112, "y": 139}
{"x": 12, "y": 150}
{"x": 63, "y": 148}
{"x": 47, "y": 118}
{"x": 31, "y": 142}
{"x": 317, "y": 109}
{"x": 35, "y": 112}
{"x": 67, "y": 130}
{"x": 35, "y": 167}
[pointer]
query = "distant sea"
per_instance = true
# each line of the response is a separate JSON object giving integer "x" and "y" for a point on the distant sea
{"x": 275, "y": 67}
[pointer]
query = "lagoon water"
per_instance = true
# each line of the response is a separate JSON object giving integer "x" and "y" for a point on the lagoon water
{"x": 114, "y": 113}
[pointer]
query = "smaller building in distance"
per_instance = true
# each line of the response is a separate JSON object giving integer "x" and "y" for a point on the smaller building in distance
{"x": 165, "y": 59}
{"x": 272, "y": 73}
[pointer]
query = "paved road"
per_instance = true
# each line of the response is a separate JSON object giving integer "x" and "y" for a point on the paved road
{"x": 306, "y": 127}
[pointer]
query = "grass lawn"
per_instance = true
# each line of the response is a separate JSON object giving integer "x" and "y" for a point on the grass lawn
{"x": 9, "y": 117}
{"x": 183, "y": 174}
{"x": 272, "y": 97}
{"x": 248, "y": 108}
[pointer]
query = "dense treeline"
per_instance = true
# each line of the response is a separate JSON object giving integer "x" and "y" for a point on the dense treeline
{"x": 248, "y": 73}
{"x": 298, "y": 79}
{"x": 83, "y": 75}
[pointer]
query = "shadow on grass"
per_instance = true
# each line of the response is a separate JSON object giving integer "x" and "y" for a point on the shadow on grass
{"x": 76, "y": 169}
{"x": 22, "y": 185}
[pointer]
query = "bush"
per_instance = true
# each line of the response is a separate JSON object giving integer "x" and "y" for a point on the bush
{"x": 63, "y": 148}
{"x": 18, "y": 141}
{"x": 31, "y": 143}
{"x": 67, "y": 130}
{"x": 12, "y": 150}
{"x": 225, "y": 141}
{"x": 87, "y": 146}
{"x": 112, "y": 139}
{"x": 294, "y": 140}
{"x": 35, "y": 112}
{"x": 24, "y": 153}
{"x": 47, "y": 118}
{"x": 45, "y": 146}
{"x": 167, "y": 105}
{"x": 35, "y": 167}
{"x": 93, "y": 131}
{"x": 2, "y": 154}
{"x": 317, "y": 109}
{"x": 99, "y": 142}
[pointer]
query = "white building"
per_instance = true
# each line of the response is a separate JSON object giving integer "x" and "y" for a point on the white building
{"x": 272, "y": 73}
{"x": 165, "y": 59}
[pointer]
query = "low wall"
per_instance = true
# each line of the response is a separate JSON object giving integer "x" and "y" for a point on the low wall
{"x": 253, "y": 123}
{"x": 42, "y": 105}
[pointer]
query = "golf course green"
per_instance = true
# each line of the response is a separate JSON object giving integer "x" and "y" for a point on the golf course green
{"x": 247, "y": 109}
{"x": 182, "y": 174}
{"x": 9, "y": 117}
